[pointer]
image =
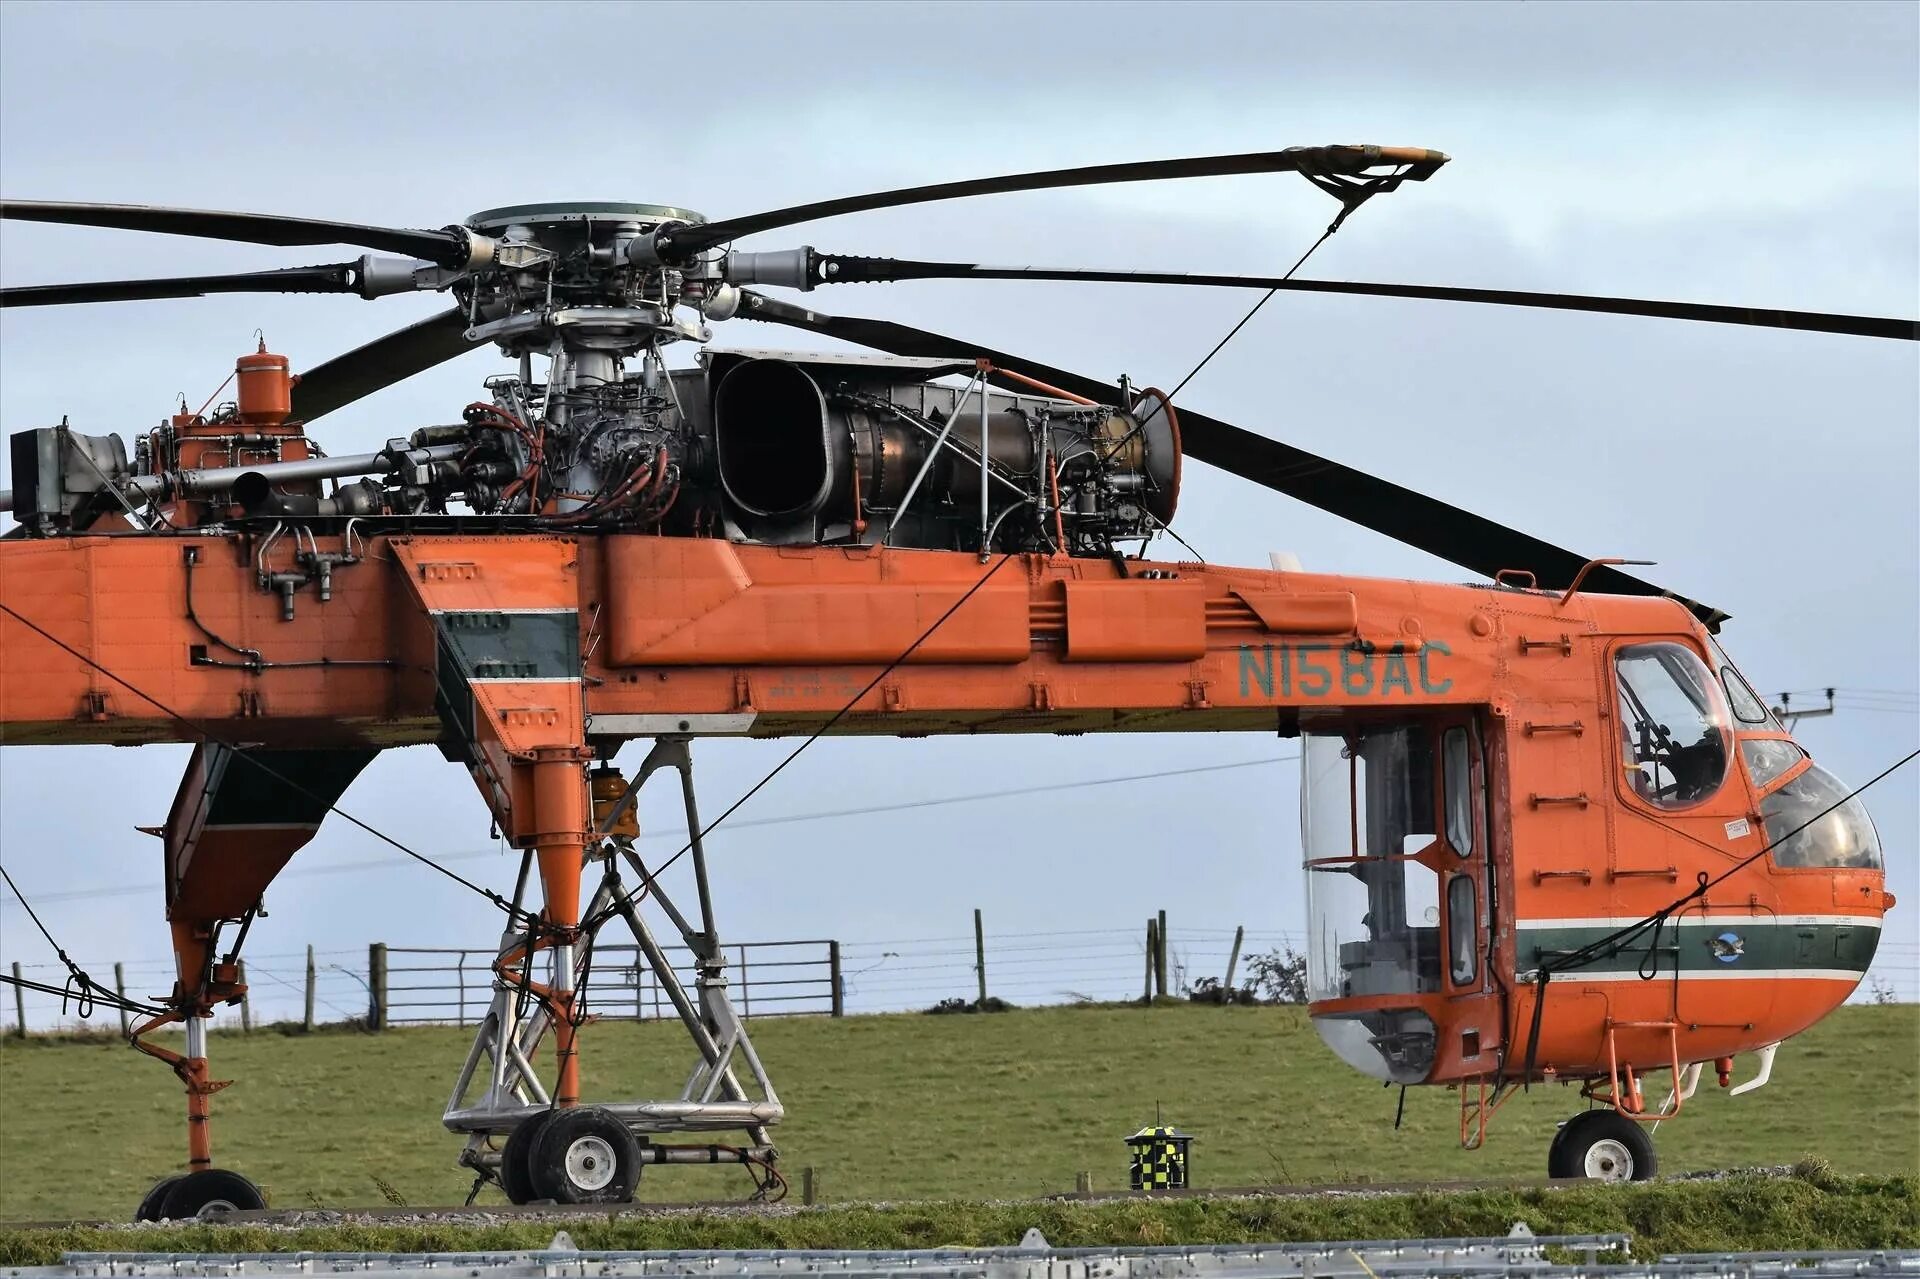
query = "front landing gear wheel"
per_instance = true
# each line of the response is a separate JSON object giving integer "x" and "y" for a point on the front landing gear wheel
{"x": 585, "y": 1156}
{"x": 1602, "y": 1145}
{"x": 211, "y": 1190}
{"x": 151, "y": 1206}
{"x": 516, "y": 1160}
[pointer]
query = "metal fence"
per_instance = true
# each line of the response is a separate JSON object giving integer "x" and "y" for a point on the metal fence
{"x": 894, "y": 974}
{"x": 421, "y": 984}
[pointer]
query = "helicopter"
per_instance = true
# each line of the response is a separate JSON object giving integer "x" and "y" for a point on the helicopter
{"x": 1549, "y": 832}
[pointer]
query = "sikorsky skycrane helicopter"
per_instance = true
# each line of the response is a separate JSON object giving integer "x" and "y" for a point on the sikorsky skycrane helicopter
{"x": 1549, "y": 830}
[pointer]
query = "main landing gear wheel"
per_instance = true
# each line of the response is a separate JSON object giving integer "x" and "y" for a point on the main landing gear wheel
{"x": 516, "y": 1160}
{"x": 210, "y": 1188}
{"x": 155, "y": 1201}
{"x": 1602, "y": 1145}
{"x": 585, "y": 1156}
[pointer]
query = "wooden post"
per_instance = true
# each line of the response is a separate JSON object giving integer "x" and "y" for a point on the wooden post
{"x": 1082, "y": 1183}
{"x": 306, "y": 1019}
{"x": 120, "y": 989}
{"x": 377, "y": 986}
{"x": 1153, "y": 944}
{"x": 246, "y": 1000}
{"x": 1233, "y": 960}
{"x": 833, "y": 974}
{"x": 19, "y": 1004}
{"x": 1160, "y": 960}
{"x": 807, "y": 1187}
{"x": 980, "y": 953}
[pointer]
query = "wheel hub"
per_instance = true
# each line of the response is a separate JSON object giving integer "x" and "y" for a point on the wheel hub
{"x": 1609, "y": 1160}
{"x": 590, "y": 1163}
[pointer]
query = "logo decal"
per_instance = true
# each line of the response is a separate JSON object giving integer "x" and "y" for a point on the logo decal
{"x": 1727, "y": 947}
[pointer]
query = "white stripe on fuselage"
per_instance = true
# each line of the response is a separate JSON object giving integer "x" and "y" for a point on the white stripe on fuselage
{"x": 1766, "y": 920}
{"x": 1576, "y": 976}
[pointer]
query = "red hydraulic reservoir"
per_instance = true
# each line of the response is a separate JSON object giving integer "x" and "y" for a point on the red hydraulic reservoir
{"x": 265, "y": 388}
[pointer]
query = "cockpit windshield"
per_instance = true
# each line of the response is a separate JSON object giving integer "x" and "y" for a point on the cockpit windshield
{"x": 1814, "y": 821}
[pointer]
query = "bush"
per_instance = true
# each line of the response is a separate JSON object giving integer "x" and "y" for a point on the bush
{"x": 1208, "y": 990}
{"x": 991, "y": 1004}
{"x": 1277, "y": 977}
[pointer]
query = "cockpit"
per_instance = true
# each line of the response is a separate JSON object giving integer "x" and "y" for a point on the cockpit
{"x": 1395, "y": 830}
{"x": 1680, "y": 722}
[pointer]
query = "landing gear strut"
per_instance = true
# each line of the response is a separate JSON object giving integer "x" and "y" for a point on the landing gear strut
{"x": 203, "y": 1187}
{"x": 538, "y": 1145}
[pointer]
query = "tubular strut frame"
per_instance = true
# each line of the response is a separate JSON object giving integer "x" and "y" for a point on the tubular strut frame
{"x": 713, "y": 1100}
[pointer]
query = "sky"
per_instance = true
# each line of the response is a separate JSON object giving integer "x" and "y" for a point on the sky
{"x": 1744, "y": 154}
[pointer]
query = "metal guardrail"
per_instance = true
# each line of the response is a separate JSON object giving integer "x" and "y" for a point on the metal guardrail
{"x": 416, "y": 985}
{"x": 1520, "y": 1253}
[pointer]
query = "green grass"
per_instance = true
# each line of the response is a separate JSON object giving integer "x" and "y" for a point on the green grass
{"x": 1745, "y": 1213}
{"x": 913, "y": 1108}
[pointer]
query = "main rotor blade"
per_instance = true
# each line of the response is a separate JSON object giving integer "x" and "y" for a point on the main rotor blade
{"x": 341, "y": 277}
{"x": 448, "y": 247}
{"x": 685, "y": 241}
{"x": 1426, "y": 523}
{"x": 380, "y": 363}
{"x": 832, "y": 269}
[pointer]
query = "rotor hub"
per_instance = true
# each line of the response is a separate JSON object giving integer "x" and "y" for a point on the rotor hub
{"x": 565, "y": 271}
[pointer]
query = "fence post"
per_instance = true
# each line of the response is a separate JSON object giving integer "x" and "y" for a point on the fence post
{"x": 306, "y": 1020}
{"x": 807, "y": 1187}
{"x": 246, "y": 1001}
{"x": 1153, "y": 944}
{"x": 1160, "y": 960}
{"x": 460, "y": 976}
{"x": 1233, "y": 960}
{"x": 120, "y": 989}
{"x": 19, "y": 1004}
{"x": 746, "y": 999}
{"x": 980, "y": 953}
{"x": 833, "y": 975}
{"x": 377, "y": 986}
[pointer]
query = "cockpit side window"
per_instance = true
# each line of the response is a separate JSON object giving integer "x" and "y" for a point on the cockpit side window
{"x": 1746, "y": 704}
{"x": 1674, "y": 739}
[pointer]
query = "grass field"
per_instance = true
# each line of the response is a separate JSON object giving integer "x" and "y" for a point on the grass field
{"x": 911, "y": 1107}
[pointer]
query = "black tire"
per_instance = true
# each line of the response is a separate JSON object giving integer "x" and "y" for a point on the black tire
{"x": 214, "y": 1188}
{"x": 516, "y": 1159}
{"x": 1559, "y": 1163}
{"x": 155, "y": 1201}
{"x": 1602, "y": 1145}
{"x": 585, "y": 1156}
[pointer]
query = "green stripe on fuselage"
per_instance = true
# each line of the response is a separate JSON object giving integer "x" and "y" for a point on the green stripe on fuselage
{"x": 1695, "y": 945}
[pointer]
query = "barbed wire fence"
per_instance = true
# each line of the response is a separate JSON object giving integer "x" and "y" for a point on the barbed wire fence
{"x": 394, "y": 985}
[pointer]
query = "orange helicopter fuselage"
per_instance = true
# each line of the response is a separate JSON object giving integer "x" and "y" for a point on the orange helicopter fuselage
{"x": 640, "y": 635}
